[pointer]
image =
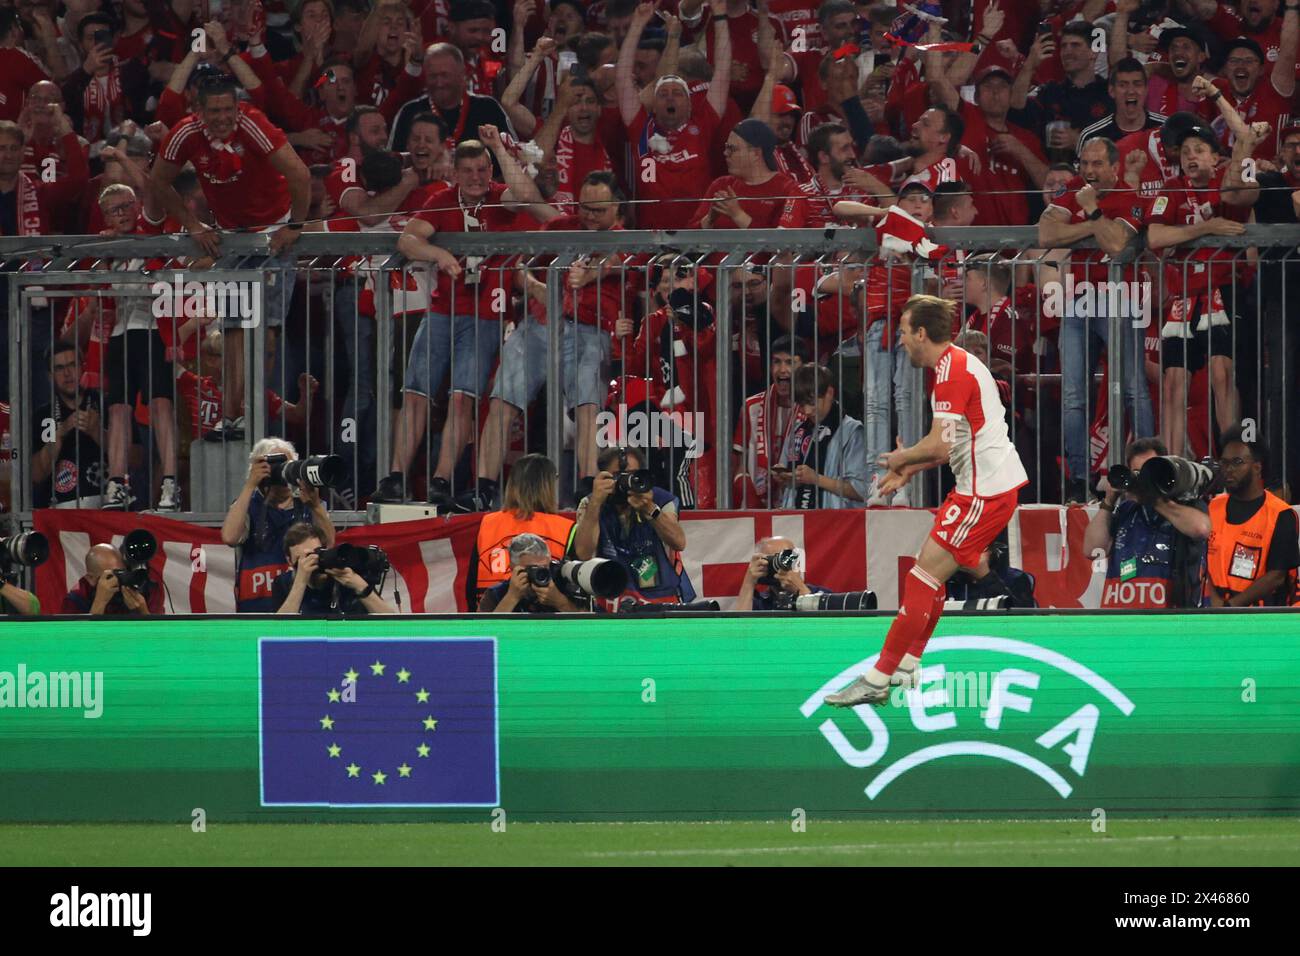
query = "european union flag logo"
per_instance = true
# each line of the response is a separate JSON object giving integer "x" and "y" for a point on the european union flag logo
{"x": 379, "y": 723}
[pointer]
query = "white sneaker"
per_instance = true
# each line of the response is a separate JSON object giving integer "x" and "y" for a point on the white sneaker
{"x": 902, "y": 499}
{"x": 116, "y": 496}
{"x": 861, "y": 691}
{"x": 169, "y": 497}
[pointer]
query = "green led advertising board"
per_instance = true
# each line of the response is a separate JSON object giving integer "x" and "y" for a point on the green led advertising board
{"x": 711, "y": 717}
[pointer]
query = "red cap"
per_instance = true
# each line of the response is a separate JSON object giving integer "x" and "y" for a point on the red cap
{"x": 784, "y": 100}
{"x": 991, "y": 70}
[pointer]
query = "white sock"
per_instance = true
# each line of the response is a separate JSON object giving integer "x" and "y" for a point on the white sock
{"x": 909, "y": 662}
{"x": 876, "y": 677}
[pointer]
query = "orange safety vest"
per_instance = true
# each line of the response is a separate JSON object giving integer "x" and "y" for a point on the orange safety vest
{"x": 498, "y": 529}
{"x": 1237, "y": 554}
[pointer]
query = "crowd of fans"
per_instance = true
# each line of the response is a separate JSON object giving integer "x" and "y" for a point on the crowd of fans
{"x": 1099, "y": 120}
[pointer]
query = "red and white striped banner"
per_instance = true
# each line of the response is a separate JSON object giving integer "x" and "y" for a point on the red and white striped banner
{"x": 846, "y": 551}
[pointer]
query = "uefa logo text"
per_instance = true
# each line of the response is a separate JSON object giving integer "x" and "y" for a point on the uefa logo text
{"x": 184, "y": 298}
{"x": 1086, "y": 299}
{"x": 637, "y": 428}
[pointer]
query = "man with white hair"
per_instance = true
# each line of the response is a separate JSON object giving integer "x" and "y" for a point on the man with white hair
{"x": 519, "y": 593}
{"x": 768, "y": 589}
{"x": 258, "y": 520}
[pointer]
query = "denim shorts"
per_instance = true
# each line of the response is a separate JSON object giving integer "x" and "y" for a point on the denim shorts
{"x": 584, "y": 348}
{"x": 278, "y": 280}
{"x": 469, "y": 350}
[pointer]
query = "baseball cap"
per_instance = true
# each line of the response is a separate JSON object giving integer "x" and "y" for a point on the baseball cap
{"x": 993, "y": 69}
{"x": 784, "y": 100}
{"x": 757, "y": 133}
{"x": 1243, "y": 43}
{"x": 1167, "y": 37}
{"x": 472, "y": 10}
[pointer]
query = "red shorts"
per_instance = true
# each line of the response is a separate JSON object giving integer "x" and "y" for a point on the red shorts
{"x": 966, "y": 525}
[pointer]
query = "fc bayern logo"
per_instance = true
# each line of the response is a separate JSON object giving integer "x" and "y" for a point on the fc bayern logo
{"x": 65, "y": 476}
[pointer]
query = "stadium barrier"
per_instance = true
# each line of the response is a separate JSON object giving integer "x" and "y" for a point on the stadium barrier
{"x": 868, "y": 549}
{"x": 747, "y": 289}
{"x": 262, "y": 719}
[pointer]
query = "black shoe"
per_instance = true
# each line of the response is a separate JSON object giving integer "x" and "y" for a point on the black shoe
{"x": 390, "y": 491}
{"x": 468, "y": 503}
{"x": 439, "y": 492}
{"x": 1076, "y": 492}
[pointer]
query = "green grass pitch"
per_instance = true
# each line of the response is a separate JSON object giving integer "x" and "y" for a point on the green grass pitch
{"x": 1159, "y": 842}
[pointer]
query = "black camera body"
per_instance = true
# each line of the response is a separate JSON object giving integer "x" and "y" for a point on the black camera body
{"x": 369, "y": 562}
{"x": 539, "y": 575}
{"x": 784, "y": 560}
{"x": 637, "y": 481}
{"x": 319, "y": 471}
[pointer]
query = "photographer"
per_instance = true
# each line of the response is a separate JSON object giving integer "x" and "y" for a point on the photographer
{"x": 993, "y": 577}
{"x": 1253, "y": 552}
{"x": 1154, "y": 544}
{"x": 101, "y": 591}
{"x": 307, "y": 590}
{"x": 520, "y": 594}
{"x": 638, "y": 529}
{"x": 768, "y": 589}
{"x": 531, "y": 506}
{"x": 258, "y": 520}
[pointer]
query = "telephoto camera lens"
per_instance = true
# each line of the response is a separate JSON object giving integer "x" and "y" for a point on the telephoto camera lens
{"x": 847, "y": 601}
{"x": 319, "y": 471}
{"x": 598, "y": 576}
{"x": 139, "y": 547}
{"x": 999, "y": 603}
{"x": 27, "y": 548}
{"x": 782, "y": 561}
{"x": 1179, "y": 478}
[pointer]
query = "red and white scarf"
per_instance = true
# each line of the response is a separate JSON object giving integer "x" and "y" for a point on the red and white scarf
{"x": 103, "y": 105}
{"x": 30, "y": 221}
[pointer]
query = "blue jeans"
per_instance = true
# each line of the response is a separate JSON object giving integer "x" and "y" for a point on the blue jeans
{"x": 355, "y": 361}
{"x": 1078, "y": 359}
{"x": 886, "y": 369}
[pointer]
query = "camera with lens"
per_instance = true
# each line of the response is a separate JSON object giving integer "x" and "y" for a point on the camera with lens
{"x": 1169, "y": 476}
{"x": 26, "y": 549}
{"x": 845, "y": 601}
{"x": 636, "y": 481}
{"x": 581, "y": 580}
{"x": 138, "y": 549}
{"x": 782, "y": 561}
{"x": 319, "y": 471}
{"x": 689, "y": 310}
{"x": 630, "y": 481}
{"x": 369, "y": 562}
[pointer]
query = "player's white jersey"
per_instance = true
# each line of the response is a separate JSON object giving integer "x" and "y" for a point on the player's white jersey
{"x": 983, "y": 459}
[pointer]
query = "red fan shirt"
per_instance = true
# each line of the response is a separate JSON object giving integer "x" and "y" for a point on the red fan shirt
{"x": 242, "y": 187}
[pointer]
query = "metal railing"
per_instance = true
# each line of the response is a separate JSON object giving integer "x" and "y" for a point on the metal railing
{"x": 359, "y": 307}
